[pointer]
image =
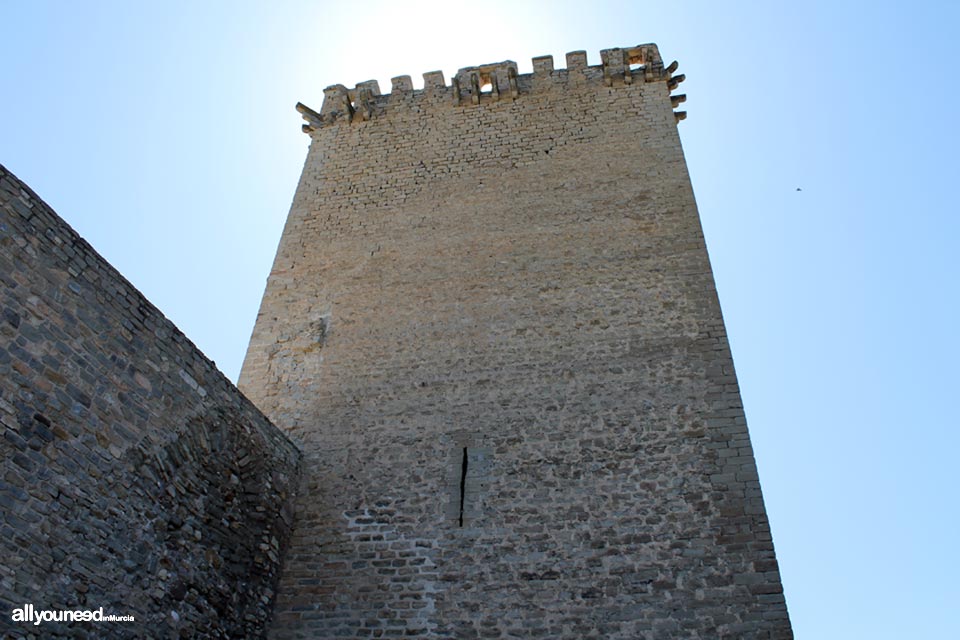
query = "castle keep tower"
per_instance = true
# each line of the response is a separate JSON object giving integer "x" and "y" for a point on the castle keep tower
{"x": 492, "y": 327}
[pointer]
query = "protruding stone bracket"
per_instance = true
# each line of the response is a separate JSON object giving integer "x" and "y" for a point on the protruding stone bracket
{"x": 500, "y": 77}
{"x": 314, "y": 119}
{"x": 680, "y": 98}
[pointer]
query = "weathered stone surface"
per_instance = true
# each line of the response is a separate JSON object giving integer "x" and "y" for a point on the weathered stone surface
{"x": 492, "y": 325}
{"x": 135, "y": 476}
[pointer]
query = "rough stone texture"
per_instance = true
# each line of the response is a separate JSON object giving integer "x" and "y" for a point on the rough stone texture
{"x": 493, "y": 327}
{"x": 135, "y": 477}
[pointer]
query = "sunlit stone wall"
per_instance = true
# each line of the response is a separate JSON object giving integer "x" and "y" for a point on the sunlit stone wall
{"x": 492, "y": 324}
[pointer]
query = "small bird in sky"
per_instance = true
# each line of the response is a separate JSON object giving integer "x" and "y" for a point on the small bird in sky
{"x": 799, "y": 189}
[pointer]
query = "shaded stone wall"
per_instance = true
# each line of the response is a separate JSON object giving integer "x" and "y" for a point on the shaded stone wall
{"x": 492, "y": 323}
{"x": 135, "y": 477}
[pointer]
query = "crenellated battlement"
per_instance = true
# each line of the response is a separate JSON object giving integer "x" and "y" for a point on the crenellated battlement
{"x": 495, "y": 82}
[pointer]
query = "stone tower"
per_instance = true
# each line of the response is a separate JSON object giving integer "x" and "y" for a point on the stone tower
{"x": 492, "y": 327}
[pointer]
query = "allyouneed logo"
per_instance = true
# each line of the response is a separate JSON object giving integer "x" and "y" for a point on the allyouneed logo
{"x": 30, "y": 614}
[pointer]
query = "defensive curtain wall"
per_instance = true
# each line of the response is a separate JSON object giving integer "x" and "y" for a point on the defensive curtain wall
{"x": 136, "y": 479}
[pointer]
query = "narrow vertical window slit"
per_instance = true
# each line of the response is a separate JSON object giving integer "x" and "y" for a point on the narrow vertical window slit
{"x": 463, "y": 482}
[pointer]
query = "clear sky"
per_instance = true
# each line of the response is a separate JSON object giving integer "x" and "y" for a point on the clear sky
{"x": 165, "y": 134}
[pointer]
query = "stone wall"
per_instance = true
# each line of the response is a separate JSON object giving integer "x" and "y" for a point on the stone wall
{"x": 492, "y": 323}
{"x": 135, "y": 477}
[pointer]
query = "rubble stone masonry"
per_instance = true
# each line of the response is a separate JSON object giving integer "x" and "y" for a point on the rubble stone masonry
{"x": 135, "y": 477}
{"x": 492, "y": 326}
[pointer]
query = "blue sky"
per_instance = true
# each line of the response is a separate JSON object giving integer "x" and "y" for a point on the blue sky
{"x": 165, "y": 134}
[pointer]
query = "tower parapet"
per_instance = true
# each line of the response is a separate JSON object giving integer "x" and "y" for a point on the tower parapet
{"x": 493, "y": 82}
